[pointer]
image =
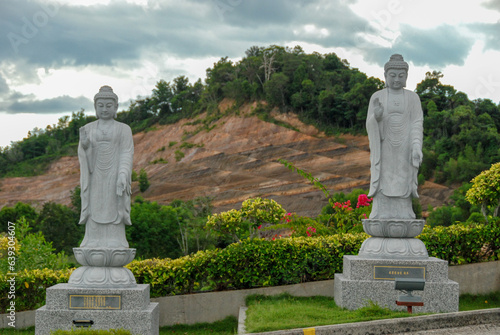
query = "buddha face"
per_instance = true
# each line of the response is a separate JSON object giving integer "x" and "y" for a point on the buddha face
{"x": 396, "y": 78}
{"x": 106, "y": 108}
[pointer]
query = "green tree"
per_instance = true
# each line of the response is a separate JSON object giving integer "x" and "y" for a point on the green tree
{"x": 276, "y": 90}
{"x": 34, "y": 251}
{"x": 59, "y": 225}
{"x": 17, "y": 212}
{"x": 76, "y": 199}
{"x": 143, "y": 181}
{"x": 154, "y": 230}
{"x": 485, "y": 191}
{"x": 191, "y": 219}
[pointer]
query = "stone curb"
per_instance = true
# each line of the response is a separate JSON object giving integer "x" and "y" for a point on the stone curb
{"x": 402, "y": 325}
{"x": 241, "y": 320}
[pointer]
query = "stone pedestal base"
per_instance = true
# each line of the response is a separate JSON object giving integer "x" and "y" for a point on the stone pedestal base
{"x": 366, "y": 279}
{"x": 107, "y": 308}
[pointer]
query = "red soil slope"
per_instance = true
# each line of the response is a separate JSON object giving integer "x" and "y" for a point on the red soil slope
{"x": 232, "y": 162}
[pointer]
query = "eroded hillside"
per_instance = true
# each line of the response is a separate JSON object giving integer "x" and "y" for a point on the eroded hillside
{"x": 234, "y": 161}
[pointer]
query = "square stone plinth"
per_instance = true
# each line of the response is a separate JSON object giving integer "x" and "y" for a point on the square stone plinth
{"x": 364, "y": 280}
{"x": 127, "y": 308}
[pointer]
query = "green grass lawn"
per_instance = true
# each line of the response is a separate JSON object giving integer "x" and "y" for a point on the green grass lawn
{"x": 267, "y": 313}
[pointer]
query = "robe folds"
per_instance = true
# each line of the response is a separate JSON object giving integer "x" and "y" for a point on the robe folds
{"x": 107, "y": 156}
{"x": 392, "y": 142}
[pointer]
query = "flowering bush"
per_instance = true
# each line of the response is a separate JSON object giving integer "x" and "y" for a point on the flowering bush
{"x": 244, "y": 223}
{"x": 346, "y": 219}
{"x": 485, "y": 191}
{"x": 259, "y": 211}
{"x": 259, "y": 262}
{"x": 228, "y": 223}
{"x": 293, "y": 225}
{"x": 310, "y": 231}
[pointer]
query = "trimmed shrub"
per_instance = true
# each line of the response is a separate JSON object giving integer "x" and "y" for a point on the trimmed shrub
{"x": 260, "y": 262}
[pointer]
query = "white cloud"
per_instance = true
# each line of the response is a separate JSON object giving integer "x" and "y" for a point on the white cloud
{"x": 131, "y": 44}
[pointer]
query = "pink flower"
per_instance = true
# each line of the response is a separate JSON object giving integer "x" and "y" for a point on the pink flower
{"x": 363, "y": 200}
{"x": 310, "y": 230}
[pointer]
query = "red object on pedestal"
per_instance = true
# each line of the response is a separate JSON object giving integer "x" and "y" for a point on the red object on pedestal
{"x": 409, "y": 305}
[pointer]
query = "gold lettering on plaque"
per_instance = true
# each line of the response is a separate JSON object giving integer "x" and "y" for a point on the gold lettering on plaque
{"x": 94, "y": 301}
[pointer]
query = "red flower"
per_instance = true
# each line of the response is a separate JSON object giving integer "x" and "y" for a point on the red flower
{"x": 363, "y": 200}
{"x": 259, "y": 227}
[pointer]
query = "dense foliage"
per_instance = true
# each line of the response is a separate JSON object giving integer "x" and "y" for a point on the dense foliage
{"x": 266, "y": 262}
{"x": 55, "y": 222}
{"x": 33, "y": 154}
{"x": 461, "y": 136}
{"x": 156, "y": 231}
{"x": 22, "y": 249}
{"x": 485, "y": 191}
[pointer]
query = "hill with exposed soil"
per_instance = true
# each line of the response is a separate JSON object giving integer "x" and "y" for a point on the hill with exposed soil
{"x": 231, "y": 159}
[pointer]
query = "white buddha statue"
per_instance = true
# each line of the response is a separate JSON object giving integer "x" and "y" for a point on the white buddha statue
{"x": 105, "y": 153}
{"x": 395, "y": 130}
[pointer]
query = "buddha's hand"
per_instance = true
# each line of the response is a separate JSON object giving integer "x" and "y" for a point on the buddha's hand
{"x": 378, "y": 109}
{"x": 121, "y": 184}
{"x": 416, "y": 156}
{"x": 84, "y": 138}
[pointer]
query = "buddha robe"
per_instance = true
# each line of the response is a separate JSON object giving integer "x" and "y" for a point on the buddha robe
{"x": 105, "y": 212}
{"x": 394, "y": 175}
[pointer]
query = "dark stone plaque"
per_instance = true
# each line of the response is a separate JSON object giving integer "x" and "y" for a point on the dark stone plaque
{"x": 390, "y": 272}
{"x": 95, "y": 301}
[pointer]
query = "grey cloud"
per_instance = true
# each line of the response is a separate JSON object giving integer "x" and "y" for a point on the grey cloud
{"x": 55, "y": 105}
{"x": 435, "y": 47}
{"x": 491, "y": 33}
{"x": 493, "y": 4}
{"x": 103, "y": 35}
{"x": 277, "y": 21}
{"x": 4, "y": 87}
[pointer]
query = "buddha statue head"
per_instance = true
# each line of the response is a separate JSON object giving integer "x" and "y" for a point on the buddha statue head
{"x": 106, "y": 103}
{"x": 396, "y": 72}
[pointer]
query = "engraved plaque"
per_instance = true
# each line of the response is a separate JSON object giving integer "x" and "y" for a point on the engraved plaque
{"x": 386, "y": 272}
{"x": 95, "y": 301}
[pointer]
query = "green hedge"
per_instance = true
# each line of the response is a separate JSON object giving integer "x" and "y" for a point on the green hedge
{"x": 462, "y": 244}
{"x": 258, "y": 263}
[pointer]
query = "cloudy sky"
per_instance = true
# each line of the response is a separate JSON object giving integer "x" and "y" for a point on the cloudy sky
{"x": 54, "y": 56}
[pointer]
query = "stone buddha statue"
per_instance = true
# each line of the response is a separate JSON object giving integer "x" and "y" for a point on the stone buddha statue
{"x": 395, "y": 130}
{"x": 105, "y": 153}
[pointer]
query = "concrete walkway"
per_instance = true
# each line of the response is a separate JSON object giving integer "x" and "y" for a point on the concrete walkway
{"x": 490, "y": 329}
{"x": 480, "y": 322}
